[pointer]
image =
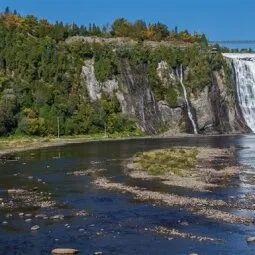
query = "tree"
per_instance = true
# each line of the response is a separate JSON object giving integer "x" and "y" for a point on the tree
{"x": 139, "y": 30}
{"x": 7, "y": 10}
{"x": 121, "y": 27}
{"x": 159, "y": 31}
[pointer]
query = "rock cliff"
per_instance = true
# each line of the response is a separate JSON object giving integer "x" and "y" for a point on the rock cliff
{"x": 214, "y": 108}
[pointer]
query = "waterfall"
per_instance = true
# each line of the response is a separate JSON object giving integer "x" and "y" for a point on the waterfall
{"x": 187, "y": 101}
{"x": 244, "y": 65}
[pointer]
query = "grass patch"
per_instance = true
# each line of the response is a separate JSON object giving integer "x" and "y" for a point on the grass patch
{"x": 175, "y": 160}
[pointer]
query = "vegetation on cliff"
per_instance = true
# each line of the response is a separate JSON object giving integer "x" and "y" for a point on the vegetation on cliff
{"x": 40, "y": 73}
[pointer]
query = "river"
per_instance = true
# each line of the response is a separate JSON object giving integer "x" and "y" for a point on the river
{"x": 117, "y": 223}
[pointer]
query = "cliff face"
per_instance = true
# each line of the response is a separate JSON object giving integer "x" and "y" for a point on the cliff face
{"x": 213, "y": 108}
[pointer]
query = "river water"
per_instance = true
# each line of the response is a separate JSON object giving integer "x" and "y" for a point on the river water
{"x": 117, "y": 223}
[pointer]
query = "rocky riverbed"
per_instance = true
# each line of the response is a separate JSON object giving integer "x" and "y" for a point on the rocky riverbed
{"x": 86, "y": 197}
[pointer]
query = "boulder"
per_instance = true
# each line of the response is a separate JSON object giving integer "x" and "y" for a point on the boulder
{"x": 57, "y": 217}
{"x": 64, "y": 251}
{"x": 250, "y": 239}
{"x": 35, "y": 227}
{"x": 15, "y": 191}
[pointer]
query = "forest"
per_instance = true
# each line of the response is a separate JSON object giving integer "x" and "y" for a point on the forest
{"x": 40, "y": 73}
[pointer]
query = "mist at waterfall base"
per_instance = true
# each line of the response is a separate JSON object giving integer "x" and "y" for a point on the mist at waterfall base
{"x": 244, "y": 67}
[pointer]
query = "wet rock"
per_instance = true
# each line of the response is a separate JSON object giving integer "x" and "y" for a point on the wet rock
{"x": 40, "y": 216}
{"x": 98, "y": 253}
{"x": 184, "y": 224}
{"x": 35, "y": 227}
{"x": 81, "y": 213}
{"x": 193, "y": 254}
{"x": 4, "y": 222}
{"x": 15, "y": 191}
{"x": 57, "y": 217}
{"x": 81, "y": 229}
{"x": 28, "y": 220}
{"x": 100, "y": 233}
{"x": 21, "y": 214}
{"x": 28, "y": 215}
{"x": 64, "y": 251}
{"x": 39, "y": 180}
{"x": 30, "y": 177}
{"x": 250, "y": 239}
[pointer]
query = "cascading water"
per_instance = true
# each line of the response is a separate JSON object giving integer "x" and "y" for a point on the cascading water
{"x": 187, "y": 101}
{"x": 244, "y": 65}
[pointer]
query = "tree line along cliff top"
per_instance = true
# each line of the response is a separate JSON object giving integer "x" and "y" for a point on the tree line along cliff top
{"x": 120, "y": 28}
{"x": 41, "y": 81}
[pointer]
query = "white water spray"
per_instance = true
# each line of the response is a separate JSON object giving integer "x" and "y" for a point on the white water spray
{"x": 244, "y": 65}
{"x": 187, "y": 102}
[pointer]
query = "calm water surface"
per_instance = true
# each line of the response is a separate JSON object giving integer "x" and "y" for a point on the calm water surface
{"x": 123, "y": 220}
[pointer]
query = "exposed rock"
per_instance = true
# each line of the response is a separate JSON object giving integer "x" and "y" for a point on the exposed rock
{"x": 64, "y": 251}
{"x": 35, "y": 227}
{"x": 214, "y": 107}
{"x": 57, "y": 217}
{"x": 40, "y": 216}
{"x": 81, "y": 213}
{"x": 198, "y": 206}
{"x": 184, "y": 223}
{"x": 175, "y": 233}
{"x": 100, "y": 233}
{"x": 15, "y": 191}
{"x": 250, "y": 239}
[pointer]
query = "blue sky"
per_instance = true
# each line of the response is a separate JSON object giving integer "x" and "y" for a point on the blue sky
{"x": 218, "y": 19}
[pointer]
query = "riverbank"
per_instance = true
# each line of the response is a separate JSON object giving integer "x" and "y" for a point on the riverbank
{"x": 17, "y": 144}
{"x": 11, "y": 145}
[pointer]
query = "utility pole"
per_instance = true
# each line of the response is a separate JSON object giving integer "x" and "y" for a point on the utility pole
{"x": 105, "y": 130}
{"x": 58, "y": 125}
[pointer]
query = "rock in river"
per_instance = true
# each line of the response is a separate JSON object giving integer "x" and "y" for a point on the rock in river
{"x": 16, "y": 191}
{"x": 250, "y": 239}
{"x": 35, "y": 227}
{"x": 57, "y": 217}
{"x": 64, "y": 251}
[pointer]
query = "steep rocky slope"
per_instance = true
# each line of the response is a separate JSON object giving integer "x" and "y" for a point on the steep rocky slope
{"x": 214, "y": 108}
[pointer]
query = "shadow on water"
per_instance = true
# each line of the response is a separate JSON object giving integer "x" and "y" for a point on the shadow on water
{"x": 116, "y": 224}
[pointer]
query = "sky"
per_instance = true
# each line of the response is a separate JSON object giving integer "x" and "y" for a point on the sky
{"x": 218, "y": 19}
